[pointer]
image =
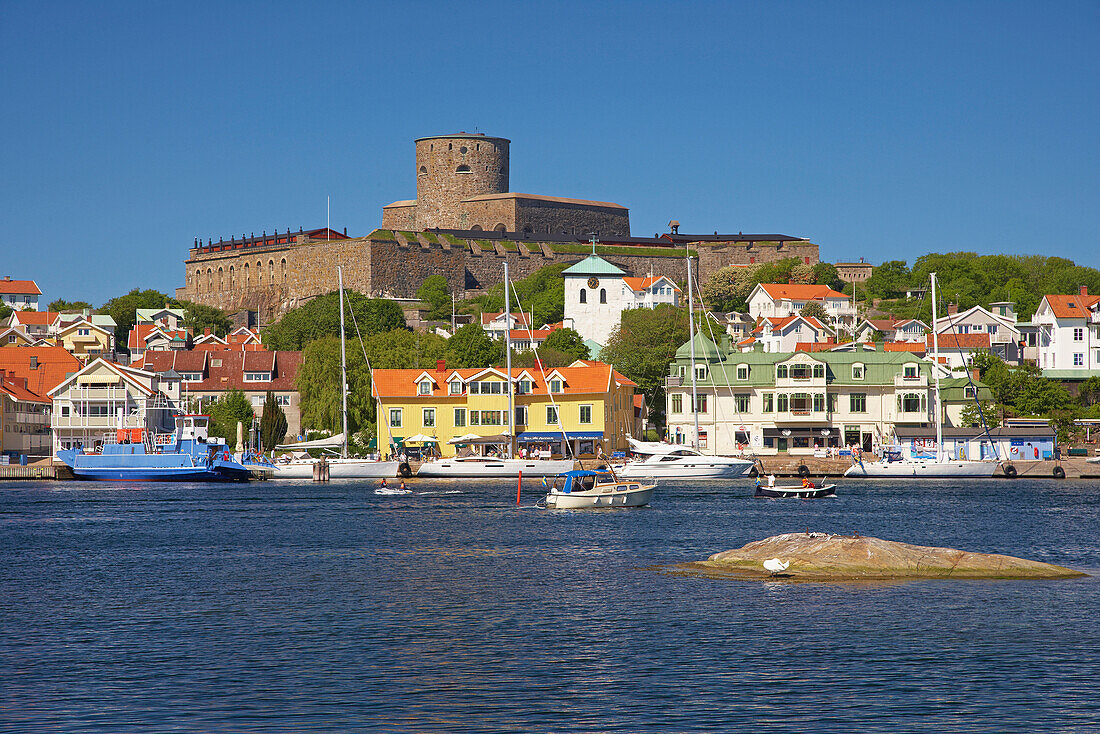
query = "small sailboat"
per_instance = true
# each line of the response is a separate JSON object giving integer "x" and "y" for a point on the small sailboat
{"x": 299, "y": 465}
{"x": 900, "y": 465}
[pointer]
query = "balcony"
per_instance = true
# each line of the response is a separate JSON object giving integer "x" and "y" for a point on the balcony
{"x": 802, "y": 415}
{"x": 674, "y": 382}
{"x": 918, "y": 380}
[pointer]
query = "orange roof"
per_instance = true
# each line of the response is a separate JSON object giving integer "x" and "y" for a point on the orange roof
{"x": 20, "y": 287}
{"x": 141, "y": 333}
{"x": 640, "y": 284}
{"x": 1071, "y": 307}
{"x": 591, "y": 378}
{"x": 54, "y": 364}
{"x": 35, "y": 318}
{"x": 17, "y": 389}
{"x": 814, "y": 346}
{"x": 914, "y": 347}
{"x": 536, "y": 334}
{"x": 780, "y": 322}
{"x": 959, "y": 341}
{"x": 800, "y": 291}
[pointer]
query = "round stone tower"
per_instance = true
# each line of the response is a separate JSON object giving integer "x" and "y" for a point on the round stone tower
{"x": 450, "y": 168}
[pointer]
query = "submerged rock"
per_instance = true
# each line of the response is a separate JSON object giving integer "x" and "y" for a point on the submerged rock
{"x": 825, "y": 557}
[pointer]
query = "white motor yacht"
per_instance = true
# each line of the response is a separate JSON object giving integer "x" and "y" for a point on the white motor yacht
{"x": 488, "y": 466}
{"x": 578, "y": 490}
{"x": 675, "y": 462}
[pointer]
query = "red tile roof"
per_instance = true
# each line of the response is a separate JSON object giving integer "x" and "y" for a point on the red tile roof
{"x": 959, "y": 341}
{"x": 800, "y": 291}
{"x": 141, "y": 333}
{"x": 914, "y": 347}
{"x": 593, "y": 377}
{"x": 814, "y": 346}
{"x": 54, "y": 365}
{"x": 35, "y": 318}
{"x": 1071, "y": 307}
{"x": 521, "y": 319}
{"x": 19, "y": 287}
{"x": 640, "y": 284}
{"x": 224, "y": 370}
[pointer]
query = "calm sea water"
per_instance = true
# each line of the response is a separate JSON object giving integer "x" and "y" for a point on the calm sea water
{"x": 282, "y": 607}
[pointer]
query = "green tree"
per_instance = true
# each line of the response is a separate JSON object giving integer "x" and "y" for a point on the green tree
{"x": 62, "y": 305}
{"x": 227, "y": 412}
{"x": 889, "y": 280}
{"x": 644, "y": 345}
{"x": 566, "y": 341}
{"x": 435, "y": 292}
{"x": 826, "y": 274}
{"x": 728, "y": 288}
{"x": 5, "y": 311}
{"x": 201, "y": 317}
{"x": 541, "y": 294}
{"x": 321, "y": 317}
{"x": 273, "y": 424}
{"x": 971, "y": 418}
{"x": 471, "y": 347}
{"x": 1089, "y": 392}
{"x": 814, "y": 309}
{"x": 319, "y": 393}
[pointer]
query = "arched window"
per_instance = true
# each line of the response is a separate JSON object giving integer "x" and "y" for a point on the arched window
{"x": 423, "y": 169}
{"x": 220, "y": 282}
{"x": 247, "y": 283}
{"x": 584, "y": 296}
{"x": 476, "y": 228}
{"x": 500, "y": 228}
{"x": 271, "y": 271}
{"x": 198, "y": 279}
{"x": 462, "y": 169}
{"x": 231, "y": 281}
{"x": 603, "y": 295}
{"x": 284, "y": 271}
{"x": 450, "y": 146}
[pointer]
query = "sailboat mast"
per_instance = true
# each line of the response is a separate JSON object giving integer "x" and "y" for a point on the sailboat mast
{"x": 691, "y": 341}
{"x": 343, "y": 368}
{"x": 936, "y": 371}
{"x": 508, "y": 364}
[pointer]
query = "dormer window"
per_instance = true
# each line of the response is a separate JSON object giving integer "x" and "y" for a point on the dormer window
{"x": 555, "y": 386}
{"x": 424, "y": 387}
{"x": 781, "y": 371}
{"x": 858, "y": 371}
{"x": 456, "y": 388}
{"x": 257, "y": 377}
{"x": 819, "y": 370}
{"x": 700, "y": 372}
{"x": 910, "y": 371}
{"x": 742, "y": 372}
{"x": 524, "y": 387}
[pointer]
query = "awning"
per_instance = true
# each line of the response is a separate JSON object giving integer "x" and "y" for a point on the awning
{"x": 100, "y": 379}
{"x": 332, "y": 442}
{"x": 420, "y": 438}
{"x": 543, "y": 436}
{"x": 464, "y": 439}
{"x": 802, "y": 432}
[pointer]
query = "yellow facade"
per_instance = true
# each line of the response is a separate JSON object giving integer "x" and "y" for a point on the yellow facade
{"x": 85, "y": 341}
{"x": 594, "y": 407}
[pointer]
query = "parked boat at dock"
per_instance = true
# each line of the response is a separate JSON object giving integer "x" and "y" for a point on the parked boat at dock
{"x": 187, "y": 455}
{"x": 674, "y": 461}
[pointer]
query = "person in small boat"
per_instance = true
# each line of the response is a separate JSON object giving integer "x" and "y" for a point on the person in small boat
{"x": 807, "y": 484}
{"x": 403, "y": 488}
{"x": 771, "y": 480}
{"x": 383, "y": 484}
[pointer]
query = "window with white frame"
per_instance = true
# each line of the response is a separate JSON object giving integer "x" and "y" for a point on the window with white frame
{"x": 1079, "y": 334}
{"x": 551, "y": 415}
{"x": 257, "y": 377}
{"x": 460, "y": 417}
{"x": 585, "y": 414}
{"x": 555, "y": 386}
{"x": 524, "y": 387}
{"x": 424, "y": 388}
{"x": 521, "y": 415}
{"x": 701, "y": 403}
{"x": 1078, "y": 359}
{"x": 742, "y": 372}
{"x": 282, "y": 400}
{"x": 676, "y": 402}
{"x": 700, "y": 372}
{"x": 395, "y": 417}
{"x": 428, "y": 418}
{"x": 858, "y": 371}
{"x": 455, "y": 387}
{"x": 768, "y": 402}
{"x": 742, "y": 402}
{"x": 857, "y": 402}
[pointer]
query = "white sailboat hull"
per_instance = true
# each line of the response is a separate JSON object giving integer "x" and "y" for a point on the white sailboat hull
{"x": 338, "y": 469}
{"x": 921, "y": 469}
{"x": 702, "y": 467}
{"x": 489, "y": 467}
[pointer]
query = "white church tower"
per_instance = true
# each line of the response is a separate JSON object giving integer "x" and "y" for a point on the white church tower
{"x": 595, "y": 295}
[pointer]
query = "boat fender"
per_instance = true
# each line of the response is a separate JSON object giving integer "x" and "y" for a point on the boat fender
{"x": 803, "y": 470}
{"x": 1010, "y": 471}
{"x": 1059, "y": 473}
{"x": 225, "y": 456}
{"x": 404, "y": 470}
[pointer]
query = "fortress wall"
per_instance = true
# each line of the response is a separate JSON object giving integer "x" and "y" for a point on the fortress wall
{"x": 565, "y": 218}
{"x": 713, "y": 257}
{"x": 399, "y": 217}
{"x": 399, "y": 270}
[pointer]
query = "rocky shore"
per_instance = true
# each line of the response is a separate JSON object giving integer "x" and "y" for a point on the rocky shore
{"x": 827, "y": 557}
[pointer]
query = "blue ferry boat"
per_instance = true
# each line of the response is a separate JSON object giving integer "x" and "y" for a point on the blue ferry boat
{"x": 188, "y": 454}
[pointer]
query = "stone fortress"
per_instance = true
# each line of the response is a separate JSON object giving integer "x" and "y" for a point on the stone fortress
{"x": 464, "y": 225}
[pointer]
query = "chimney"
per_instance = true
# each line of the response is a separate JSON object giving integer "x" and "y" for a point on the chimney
{"x": 975, "y": 374}
{"x": 441, "y": 365}
{"x": 1084, "y": 290}
{"x": 952, "y": 309}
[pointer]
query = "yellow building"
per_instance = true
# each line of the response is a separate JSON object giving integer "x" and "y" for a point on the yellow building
{"x": 85, "y": 340}
{"x": 587, "y": 403}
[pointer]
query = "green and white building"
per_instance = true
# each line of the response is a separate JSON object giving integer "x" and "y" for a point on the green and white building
{"x": 794, "y": 402}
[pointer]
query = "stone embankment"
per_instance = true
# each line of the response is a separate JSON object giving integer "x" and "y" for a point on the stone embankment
{"x": 827, "y": 557}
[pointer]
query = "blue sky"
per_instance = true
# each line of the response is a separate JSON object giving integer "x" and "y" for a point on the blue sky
{"x": 875, "y": 129}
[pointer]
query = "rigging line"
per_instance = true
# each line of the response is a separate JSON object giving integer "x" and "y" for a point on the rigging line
{"x": 538, "y": 361}
{"x": 970, "y": 381}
